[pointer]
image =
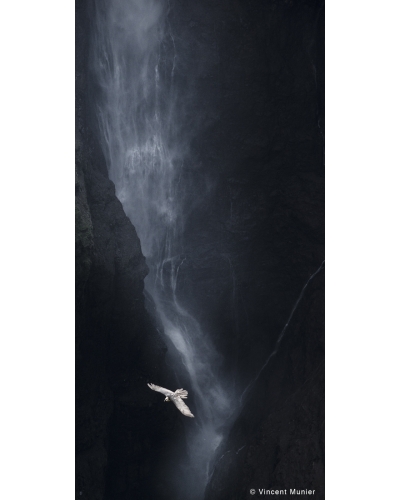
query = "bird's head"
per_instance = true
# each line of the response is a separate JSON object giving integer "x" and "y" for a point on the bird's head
{"x": 166, "y": 399}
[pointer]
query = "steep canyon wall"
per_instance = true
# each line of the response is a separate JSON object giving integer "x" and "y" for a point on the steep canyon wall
{"x": 255, "y": 74}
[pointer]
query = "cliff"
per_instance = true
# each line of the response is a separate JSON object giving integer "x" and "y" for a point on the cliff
{"x": 119, "y": 434}
{"x": 262, "y": 144}
{"x": 256, "y": 236}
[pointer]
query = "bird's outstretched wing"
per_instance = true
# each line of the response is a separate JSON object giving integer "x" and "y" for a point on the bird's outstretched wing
{"x": 181, "y": 393}
{"x": 181, "y": 406}
{"x": 157, "y": 388}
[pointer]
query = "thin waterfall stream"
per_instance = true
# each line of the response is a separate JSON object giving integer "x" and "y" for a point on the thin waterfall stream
{"x": 199, "y": 186}
{"x": 143, "y": 108}
{"x": 146, "y": 148}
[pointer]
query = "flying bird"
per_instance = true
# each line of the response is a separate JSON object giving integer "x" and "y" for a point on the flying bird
{"x": 176, "y": 397}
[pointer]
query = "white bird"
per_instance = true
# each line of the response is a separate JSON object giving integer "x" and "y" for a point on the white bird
{"x": 176, "y": 397}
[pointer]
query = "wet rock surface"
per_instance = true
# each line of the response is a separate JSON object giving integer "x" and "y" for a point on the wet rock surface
{"x": 277, "y": 441}
{"x": 121, "y": 428}
{"x": 251, "y": 242}
{"x": 258, "y": 235}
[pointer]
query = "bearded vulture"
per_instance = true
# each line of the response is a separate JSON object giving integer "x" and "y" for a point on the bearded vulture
{"x": 176, "y": 397}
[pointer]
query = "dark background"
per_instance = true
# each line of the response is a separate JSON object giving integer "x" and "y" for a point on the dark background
{"x": 252, "y": 243}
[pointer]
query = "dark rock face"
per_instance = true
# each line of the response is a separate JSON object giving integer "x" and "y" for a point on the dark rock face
{"x": 277, "y": 442}
{"x": 251, "y": 245}
{"x": 258, "y": 235}
{"x": 119, "y": 433}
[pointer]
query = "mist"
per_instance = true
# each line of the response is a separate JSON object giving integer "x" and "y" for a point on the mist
{"x": 142, "y": 110}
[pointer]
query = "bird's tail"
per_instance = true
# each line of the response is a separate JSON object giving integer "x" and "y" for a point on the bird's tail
{"x": 181, "y": 393}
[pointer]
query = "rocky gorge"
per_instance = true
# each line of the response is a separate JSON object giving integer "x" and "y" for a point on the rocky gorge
{"x": 251, "y": 243}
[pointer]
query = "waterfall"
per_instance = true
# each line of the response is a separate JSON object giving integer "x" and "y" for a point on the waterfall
{"x": 281, "y": 335}
{"x": 140, "y": 110}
